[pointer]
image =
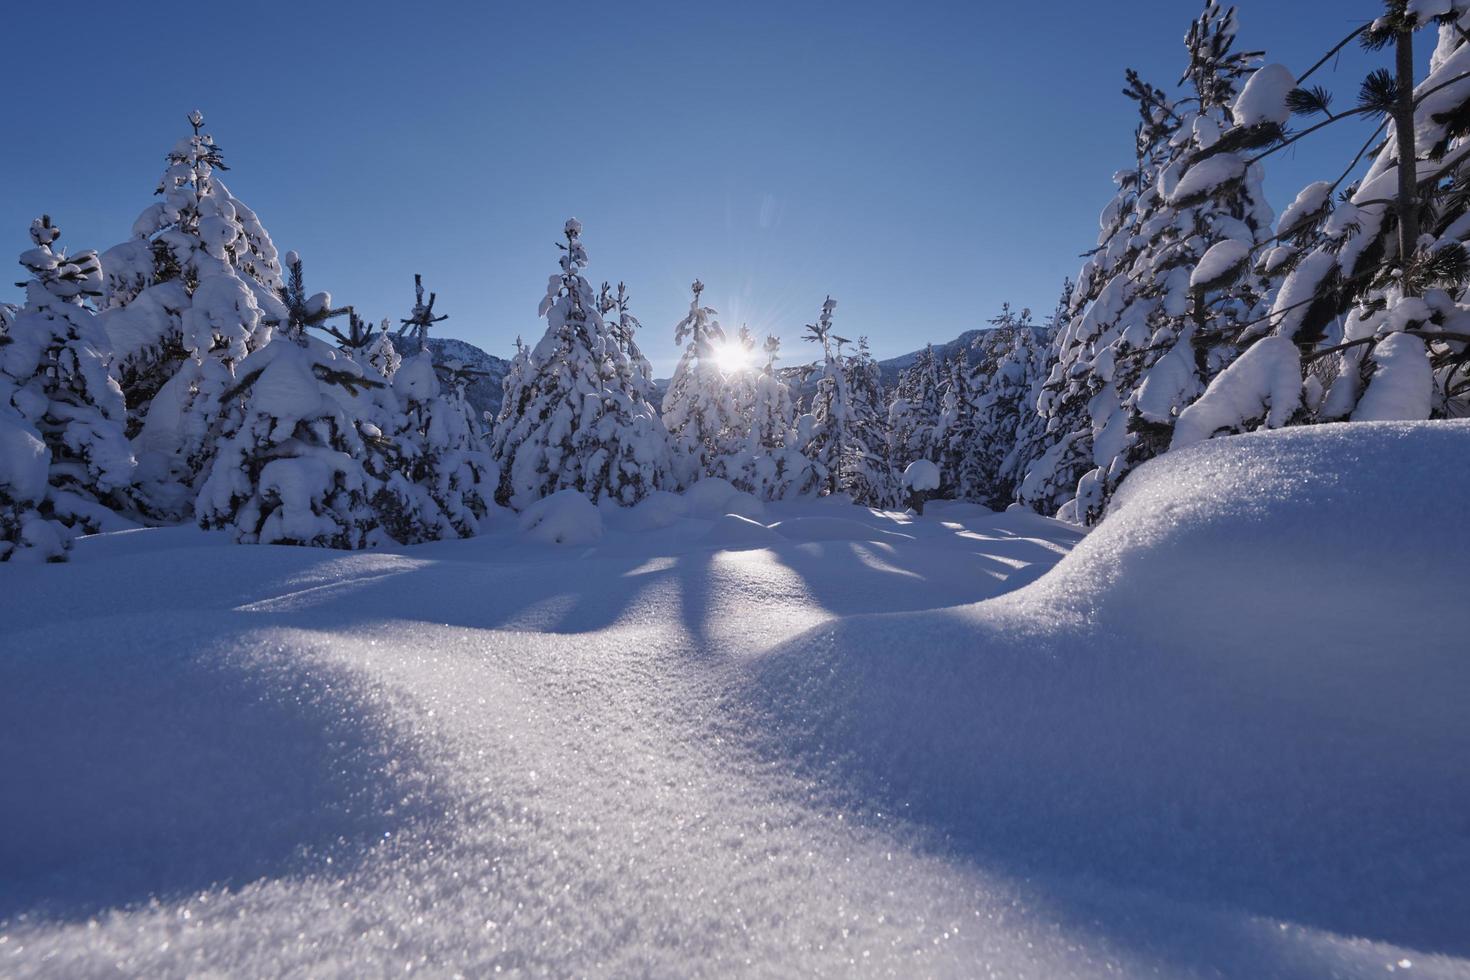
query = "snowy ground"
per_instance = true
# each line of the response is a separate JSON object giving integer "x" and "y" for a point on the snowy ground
{"x": 1226, "y": 736}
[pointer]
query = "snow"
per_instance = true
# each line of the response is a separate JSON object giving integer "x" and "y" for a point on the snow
{"x": 1206, "y": 177}
{"x": 1263, "y": 385}
{"x": 1221, "y": 263}
{"x": 1402, "y": 386}
{"x": 565, "y": 517}
{"x": 1263, "y": 99}
{"x": 652, "y": 755}
{"x": 921, "y": 475}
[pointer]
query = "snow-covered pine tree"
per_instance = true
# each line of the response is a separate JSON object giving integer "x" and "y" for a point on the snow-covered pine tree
{"x": 638, "y": 459}
{"x": 833, "y": 442}
{"x": 1005, "y": 379}
{"x": 289, "y": 467}
{"x": 61, "y": 408}
{"x": 699, "y": 408}
{"x": 184, "y": 301}
{"x": 570, "y": 418}
{"x": 913, "y": 412}
{"x": 1372, "y": 317}
{"x": 1147, "y": 341}
{"x": 953, "y": 432}
{"x": 771, "y": 465}
{"x": 438, "y": 473}
{"x": 869, "y": 478}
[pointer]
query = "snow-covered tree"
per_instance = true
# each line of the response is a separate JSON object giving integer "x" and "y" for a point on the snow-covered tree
{"x": 953, "y": 432}
{"x": 186, "y": 299}
{"x": 572, "y": 418}
{"x": 1371, "y": 320}
{"x": 771, "y": 464}
{"x": 699, "y": 408}
{"x": 437, "y": 474}
{"x": 1159, "y": 303}
{"x": 69, "y": 464}
{"x": 1005, "y": 380}
{"x": 289, "y": 467}
{"x": 834, "y": 443}
{"x": 869, "y": 477}
{"x": 914, "y": 410}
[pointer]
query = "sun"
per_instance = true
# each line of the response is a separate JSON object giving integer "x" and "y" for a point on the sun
{"x": 732, "y": 357}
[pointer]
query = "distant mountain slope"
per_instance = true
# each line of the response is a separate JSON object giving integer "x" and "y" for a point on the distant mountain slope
{"x": 484, "y": 393}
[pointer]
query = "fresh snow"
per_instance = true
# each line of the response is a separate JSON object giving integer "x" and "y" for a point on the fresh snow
{"x": 1263, "y": 100}
{"x": 827, "y": 741}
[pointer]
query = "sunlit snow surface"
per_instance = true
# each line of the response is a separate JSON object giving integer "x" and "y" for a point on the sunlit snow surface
{"x": 1226, "y": 736}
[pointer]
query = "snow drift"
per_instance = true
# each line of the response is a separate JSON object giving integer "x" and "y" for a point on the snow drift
{"x": 1248, "y": 685}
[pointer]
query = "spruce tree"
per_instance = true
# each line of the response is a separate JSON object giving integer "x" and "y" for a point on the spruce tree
{"x": 868, "y": 477}
{"x": 771, "y": 465}
{"x": 699, "y": 408}
{"x": 1367, "y": 321}
{"x": 185, "y": 300}
{"x": 61, "y": 406}
{"x": 289, "y": 467}
{"x": 572, "y": 417}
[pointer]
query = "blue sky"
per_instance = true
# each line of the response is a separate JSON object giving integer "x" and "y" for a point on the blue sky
{"x": 921, "y": 161}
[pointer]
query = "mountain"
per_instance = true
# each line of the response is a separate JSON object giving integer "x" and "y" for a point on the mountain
{"x": 484, "y": 392}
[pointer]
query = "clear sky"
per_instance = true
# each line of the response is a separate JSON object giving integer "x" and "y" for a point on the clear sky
{"x": 921, "y": 161}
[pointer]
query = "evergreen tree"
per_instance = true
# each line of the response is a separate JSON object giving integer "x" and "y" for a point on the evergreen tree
{"x": 437, "y": 446}
{"x": 869, "y": 478}
{"x": 571, "y": 418}
{"x": 61, "y": 407}
{"x": 1164, "y": 297}
{"x": 772, "y": 465}
{"x": 699, "y": 408}
{"x": 184, "y": 301}
{"x": 289, "y": 467}
{"x": 833, "y": 439}
{"x": 914, "y": 411}
{"x": 1004, "y": 381}
{"x": 1369, "y": 319}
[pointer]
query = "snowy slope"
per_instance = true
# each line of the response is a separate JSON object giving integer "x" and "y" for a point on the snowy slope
{"x": 1219, "y": 738}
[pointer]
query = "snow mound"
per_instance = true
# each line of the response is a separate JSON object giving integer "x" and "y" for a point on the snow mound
{"x": 735, "y": 533}
{"x": 713, "y": 497}
{"x": 1246, "y": 686}
{"x": 659, "y": 509}
{"x": 178, "y": 764}
{"x": 565, "y": 517}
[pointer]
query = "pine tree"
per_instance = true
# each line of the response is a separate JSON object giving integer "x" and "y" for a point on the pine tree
{"x": 185, "y": 300}
{"x": 771, "y": 465}
{"x": 833, "y": 439}
{"x": 699, "y": 408}
{"x": 289, "y": 467}
{"x": 61, "y": 407}
{"x": 438, "y": 473}
{"x": 914, "y": 411}
{"x": 1367, "y": 321}
{"x": 868, "y": 477}
{"x": 1159, "y": 304}
{"x": 571, "y": 416}
{"x": 1005, "y": 379}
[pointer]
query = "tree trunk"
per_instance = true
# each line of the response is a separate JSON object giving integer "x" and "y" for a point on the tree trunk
{"x": 1403, "y": 124}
